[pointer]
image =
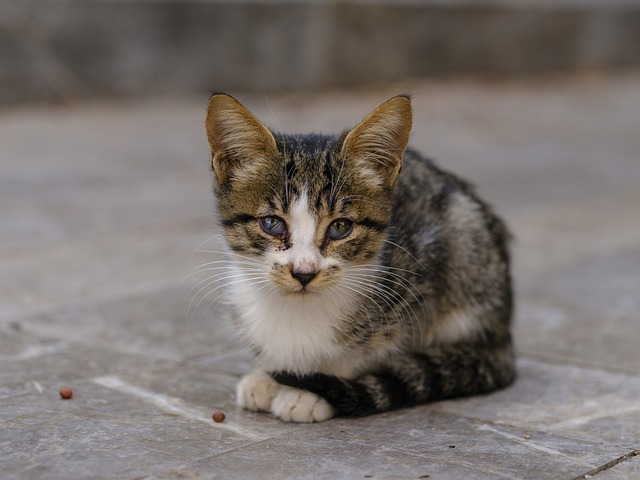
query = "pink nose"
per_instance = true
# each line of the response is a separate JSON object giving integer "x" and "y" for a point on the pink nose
{"x": 304, "y": 278}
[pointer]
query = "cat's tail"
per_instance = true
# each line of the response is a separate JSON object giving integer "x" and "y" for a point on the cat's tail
{"x": 445, "y": 372}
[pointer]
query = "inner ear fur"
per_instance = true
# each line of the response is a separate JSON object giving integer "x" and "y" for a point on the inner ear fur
{"x": 236, "y": 137}
{"x": 380, "y": 140}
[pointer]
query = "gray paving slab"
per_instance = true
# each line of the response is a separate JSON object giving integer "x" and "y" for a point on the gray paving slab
{"x": 101, "y": 214}
{"x": 156, "y": 324}
{"x": 96, "y": 268}
{"x": 409, "y": 444}
{"x": 581, "y": 403}
{"x": 93, "y": 436}
{"x": 572, "y": 317}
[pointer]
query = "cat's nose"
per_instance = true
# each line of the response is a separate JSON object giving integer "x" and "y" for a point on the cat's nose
{"x": 303, "y": 277}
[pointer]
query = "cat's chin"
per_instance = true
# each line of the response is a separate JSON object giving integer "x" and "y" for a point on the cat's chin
{"x": 301, "y": 293}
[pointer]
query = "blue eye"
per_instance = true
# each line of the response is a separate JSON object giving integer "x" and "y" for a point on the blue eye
{"x": 273, "y": 225}
{"x": 340, "y": 229}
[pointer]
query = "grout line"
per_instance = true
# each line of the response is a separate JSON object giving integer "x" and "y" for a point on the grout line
{"x": 517, "y": 439}
{"x": 174, "y": 406}
{"x": 607, "y": 466}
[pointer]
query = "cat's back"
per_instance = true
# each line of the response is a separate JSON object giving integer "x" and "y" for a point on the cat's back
{"x": 423, "y": 185}
{"x": 428, "y": 195}
{"x": 449, "y": 236}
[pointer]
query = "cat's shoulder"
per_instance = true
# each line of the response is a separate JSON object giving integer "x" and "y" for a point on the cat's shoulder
{"x": 421, "y": 174}
{"x": 423, "y": 186}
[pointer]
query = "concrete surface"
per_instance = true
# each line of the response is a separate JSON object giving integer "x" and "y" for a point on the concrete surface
{"x": 103, "y": 205}
{"x": 62, "y": 49}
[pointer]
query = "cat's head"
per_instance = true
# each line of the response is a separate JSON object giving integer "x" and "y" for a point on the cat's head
{"x": 305, "y": 207}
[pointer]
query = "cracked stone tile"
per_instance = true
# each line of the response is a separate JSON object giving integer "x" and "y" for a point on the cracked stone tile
{"x": 106, "y": 431}
{"x": 569, "y": 401}
{"x": 409, "y": 444}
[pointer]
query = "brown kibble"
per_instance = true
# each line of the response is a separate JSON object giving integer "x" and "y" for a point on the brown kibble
{"x": 218, "y": 417}
{"x": 66, "y": 393}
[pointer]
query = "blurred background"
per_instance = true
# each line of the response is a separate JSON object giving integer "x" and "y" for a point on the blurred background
{"x": 68, "y": 49}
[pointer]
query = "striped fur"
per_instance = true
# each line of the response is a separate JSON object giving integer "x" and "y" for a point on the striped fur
{"x": 408, "y": 302}
{"x": 413, "y": 378}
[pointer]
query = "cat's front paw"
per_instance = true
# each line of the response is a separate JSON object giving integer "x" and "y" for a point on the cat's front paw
{"x": 256, "y": 392}
{"x": 294, "y": 405}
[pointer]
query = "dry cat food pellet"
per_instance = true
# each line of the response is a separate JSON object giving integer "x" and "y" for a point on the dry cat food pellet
{"x": 66, "y": 393}
{"x": 218, "y": 417}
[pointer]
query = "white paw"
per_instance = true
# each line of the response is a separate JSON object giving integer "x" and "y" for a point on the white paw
{"x": 256, "y": 391}
{"x": 293, "y": 405}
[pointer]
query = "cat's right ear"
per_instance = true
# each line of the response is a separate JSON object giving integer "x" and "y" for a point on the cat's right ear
{"x": 236, "y": 137}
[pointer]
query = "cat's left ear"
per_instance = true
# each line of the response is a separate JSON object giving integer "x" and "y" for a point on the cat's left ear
{"x": 237, "y": 139}
{"x": 377, "y": 144}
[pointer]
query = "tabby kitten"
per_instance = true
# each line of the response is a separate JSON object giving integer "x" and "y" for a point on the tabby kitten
{"x": 364, "y": 277}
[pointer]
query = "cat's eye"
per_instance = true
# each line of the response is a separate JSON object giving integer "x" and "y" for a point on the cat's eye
{"x": 273, "y": 225}
{"x": 339, "y": 229}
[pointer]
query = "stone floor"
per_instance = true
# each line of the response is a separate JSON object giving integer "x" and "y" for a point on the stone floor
{"x": 106, "y": 206}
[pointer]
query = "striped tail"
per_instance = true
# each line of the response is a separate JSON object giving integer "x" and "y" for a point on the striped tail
{"x": 445, "y": 372}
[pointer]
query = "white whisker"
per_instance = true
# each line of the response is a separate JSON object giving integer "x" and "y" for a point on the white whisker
{"x": 251, "y": 281}
{"x": 233, "y": 254}
{"x": 406, "y": 251}
{"x": 210, "y": 266}
{"x": 360, "y": 292}
{"x": 211, "y": 280}
{"x": 397, "y": 280}
{"x": 215, "y": 303}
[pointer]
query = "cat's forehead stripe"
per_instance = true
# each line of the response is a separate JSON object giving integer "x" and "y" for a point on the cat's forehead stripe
{"x": 303, "y": 223}
{"x": 304, "y": 254}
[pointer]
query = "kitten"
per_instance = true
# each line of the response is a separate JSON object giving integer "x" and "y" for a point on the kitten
{"x": 364, "y": 277}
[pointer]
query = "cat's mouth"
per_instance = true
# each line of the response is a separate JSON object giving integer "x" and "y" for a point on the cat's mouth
{"x": 301, "y": 292}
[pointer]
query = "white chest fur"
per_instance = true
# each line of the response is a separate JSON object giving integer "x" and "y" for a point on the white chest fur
{"x": 292, "y": 333}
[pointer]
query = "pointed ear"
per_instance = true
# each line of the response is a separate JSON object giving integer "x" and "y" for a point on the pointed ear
{"x": 377, "y": 144}
{"x": 236, "y": 136}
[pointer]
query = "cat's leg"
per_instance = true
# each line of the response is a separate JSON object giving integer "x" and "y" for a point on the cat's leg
{"x": 256, "y": 391}
{"x": 295, "y": 405}
{"x": 414, "y": 378}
